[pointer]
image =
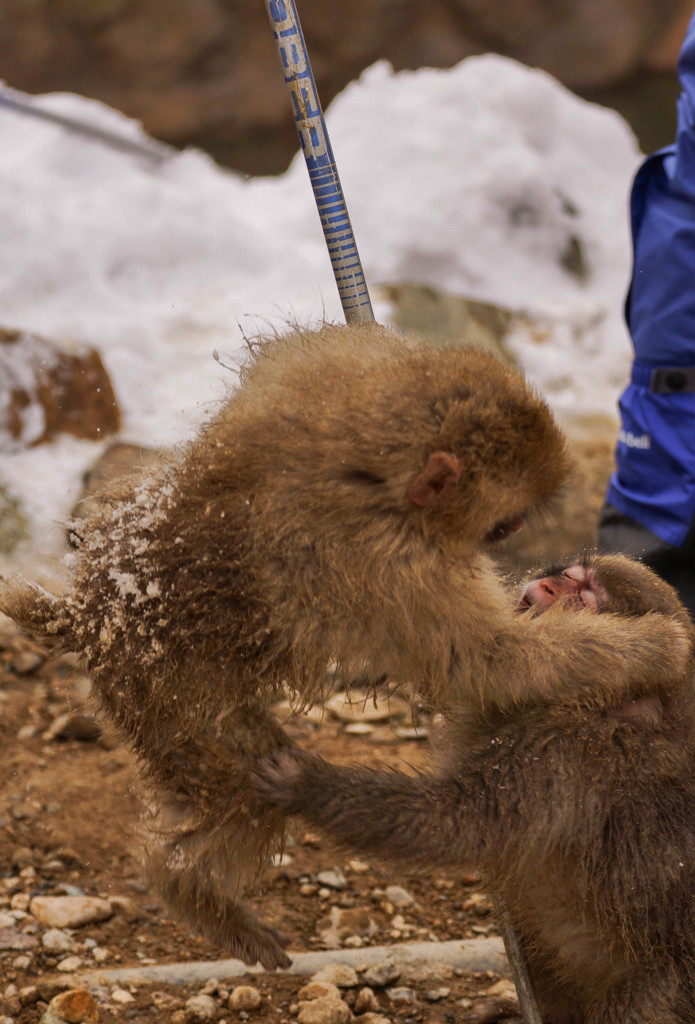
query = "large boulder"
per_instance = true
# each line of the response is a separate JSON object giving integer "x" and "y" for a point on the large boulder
{"x": 46, "y": 390}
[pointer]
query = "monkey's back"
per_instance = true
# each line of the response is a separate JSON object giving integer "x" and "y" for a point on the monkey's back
{"x": 590, "y": 844}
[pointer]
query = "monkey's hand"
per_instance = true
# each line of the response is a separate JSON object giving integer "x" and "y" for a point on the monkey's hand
{"x": 279, "y": 778}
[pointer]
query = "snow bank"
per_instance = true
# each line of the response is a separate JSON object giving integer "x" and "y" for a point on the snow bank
{"x": 474, "y": 179}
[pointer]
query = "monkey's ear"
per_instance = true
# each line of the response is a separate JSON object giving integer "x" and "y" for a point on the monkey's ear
{"x": 439, "y": 475}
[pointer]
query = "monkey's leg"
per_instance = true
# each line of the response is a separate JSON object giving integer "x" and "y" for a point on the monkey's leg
{"x": 423, "y": 820}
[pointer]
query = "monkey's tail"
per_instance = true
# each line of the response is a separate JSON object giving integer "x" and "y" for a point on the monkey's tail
{"x": 42, "y": 614}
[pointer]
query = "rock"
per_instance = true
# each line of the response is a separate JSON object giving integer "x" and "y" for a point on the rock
{"x": 244, "y": 997}
{"x": 29, "y": 995}
{"x": 435, "y": 995}
{"x": 357, "y": 707}
{"x": 318, "y": 990}
{"x": 69, "y": 911}
{"x": 478, "y": 903}
{"x": 366, "y": 1001}
{"x": 342, "y": 923}
{"x": 57, "y": 941}
{"x": 398, "y": 896}
{"x": 12, "y": 938}
{"x": 339, "y": 975}
{"x": 46, "y": 391}
{"x": 358, "y": 866}
{"x": 122, "y": 996}
{"x": 74, "y": 1007}
{"x": 73, "y": 725}
{"x": 419, "y": 732}
{"x": 202, "y": 1007}
{"x": 333, "y": 878}
{"x": 326, "y": 1010}
{"x": 26, "y": 662}
{"x": 69, "y": 964}
{"x": 23, "y": 857}
{"x": 503, "y": 989}
{"x": 446, "y": 320}
{"x": 358, "y": 729}
{"x": 402, "y": 995}
{"x": 374, "y": 1018}
{"x": 382, "y": 974}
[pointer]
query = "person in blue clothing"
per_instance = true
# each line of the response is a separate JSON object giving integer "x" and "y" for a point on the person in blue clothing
{"x": 650, "y": 503}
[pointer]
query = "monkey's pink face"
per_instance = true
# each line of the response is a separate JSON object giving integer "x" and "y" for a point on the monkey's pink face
{"x": 576, "y": 587}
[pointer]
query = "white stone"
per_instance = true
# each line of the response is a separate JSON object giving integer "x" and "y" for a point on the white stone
{"x": 58, "y": 941}
{"x": 244, "y": 997}
{"x": 333, "y": 878}
{"x": 70, "y": 963}
{"x": 202, "y": 1007}
{"x": 69, "y": 911}
{"x": 122, "y": 996}
{"x": 398, "y": 896}
{"x": 339, "y": 975}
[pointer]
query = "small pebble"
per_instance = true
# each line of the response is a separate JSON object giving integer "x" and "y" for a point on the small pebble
{"x": 402, "y": 995}
{"x": 244, "y": 997}
{"x": 69, "y": 964}
{"x": 58, "y": 941}
{"x": 382, "y": 974}
{"x": 434, "y": 995}
{"x": 333, "y": 878}
{"x": 366, "y": 1001}
{"x": 202, "y": 1007}
{"x": 398, "y": 896}
{"x": 122, "y": 996}
{"x": 339, "y": 975}
{"x": 318, "y": 990}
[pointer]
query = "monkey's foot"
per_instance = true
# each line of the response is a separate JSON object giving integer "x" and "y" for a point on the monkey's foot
{"x": 255, "y": 942}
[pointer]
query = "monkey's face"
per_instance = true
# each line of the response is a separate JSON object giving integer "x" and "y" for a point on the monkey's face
{"x": 576, "y": 587}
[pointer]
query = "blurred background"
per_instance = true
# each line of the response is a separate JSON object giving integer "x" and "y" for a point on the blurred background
{"x": 205, "y": 72}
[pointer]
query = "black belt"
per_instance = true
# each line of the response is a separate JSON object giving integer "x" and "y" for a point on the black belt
{"x": 664, "y": 380}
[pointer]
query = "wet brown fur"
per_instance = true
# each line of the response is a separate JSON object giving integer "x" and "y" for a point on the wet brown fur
{"x": 580, "y": 813}
{"x": 281, "y": 539}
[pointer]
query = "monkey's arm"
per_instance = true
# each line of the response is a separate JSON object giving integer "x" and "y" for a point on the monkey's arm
{"x": 562, "y": 654}
{"x": 419, "y": 820}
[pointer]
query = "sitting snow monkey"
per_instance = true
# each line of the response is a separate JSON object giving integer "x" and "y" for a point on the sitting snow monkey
{"x": 338, "y": 509}
{"x": 578, "y": 808}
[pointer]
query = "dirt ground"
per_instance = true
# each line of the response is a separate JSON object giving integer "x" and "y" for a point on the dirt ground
{"x": 68, "y": 825}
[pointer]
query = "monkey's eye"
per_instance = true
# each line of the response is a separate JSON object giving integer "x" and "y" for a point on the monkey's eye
{"x": 504, "y": 529}
{"x": 583, "y": 587}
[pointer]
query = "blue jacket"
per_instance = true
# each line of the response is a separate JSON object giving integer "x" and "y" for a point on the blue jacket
{"x": 655, "y": 456}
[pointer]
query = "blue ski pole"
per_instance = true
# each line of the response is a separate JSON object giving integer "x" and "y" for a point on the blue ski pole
{"x": 320, "y": 162}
